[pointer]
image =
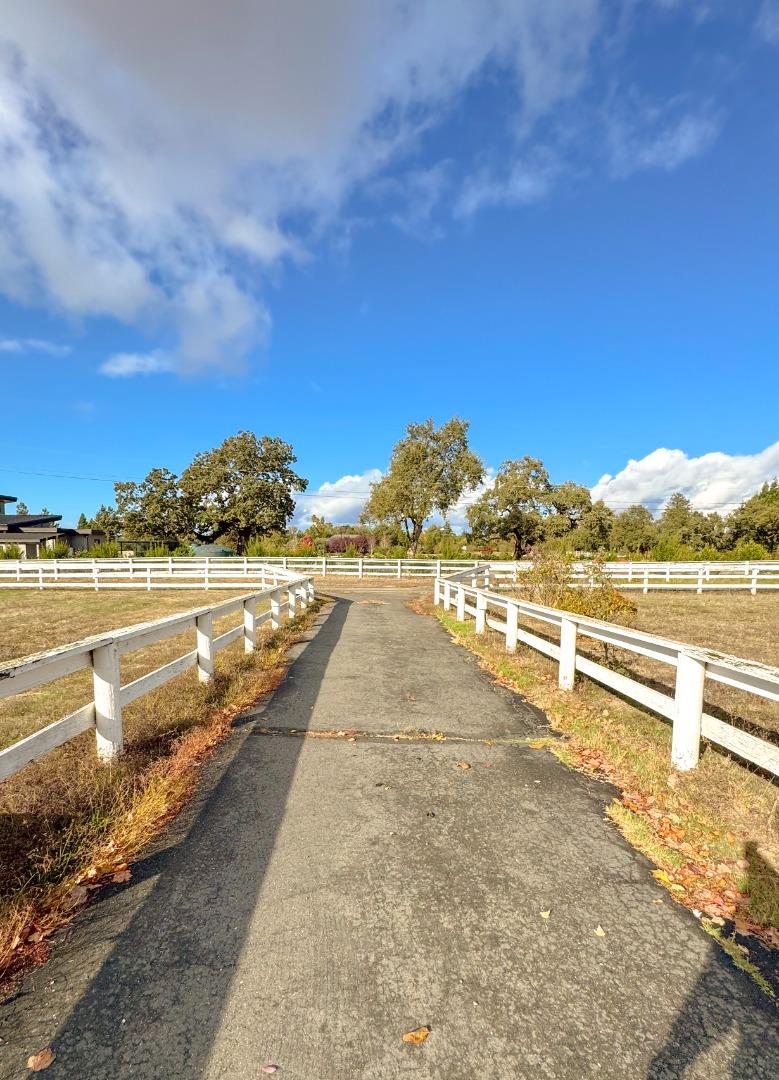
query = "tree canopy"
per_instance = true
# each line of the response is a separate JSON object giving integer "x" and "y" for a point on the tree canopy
{"x": 429, "y": 471}
{"x": 241, "y": 489}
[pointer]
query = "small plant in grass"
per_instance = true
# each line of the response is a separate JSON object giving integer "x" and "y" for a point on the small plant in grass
{"x": 10, "y": 551}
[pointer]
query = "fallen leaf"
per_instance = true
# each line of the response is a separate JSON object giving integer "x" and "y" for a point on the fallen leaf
{"x": 76, "y": 897}
{"x": 463, "y": 765}
{"x": 418, "y": 1035}
{"x": 121, "y": 876}
{"x": 537, "y": 744}
{"x": 41, "y": 1060}
{"x": 545, "y": 914}
{"x": 269, "y": 1069}
{"x": 599, "y": 931}
{"x": 657, "y": 900}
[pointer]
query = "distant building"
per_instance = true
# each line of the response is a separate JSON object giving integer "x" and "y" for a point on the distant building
{"x": 32, "y": 532}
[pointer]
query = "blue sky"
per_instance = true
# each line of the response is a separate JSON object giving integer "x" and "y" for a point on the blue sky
{"x": 556, "y": 219}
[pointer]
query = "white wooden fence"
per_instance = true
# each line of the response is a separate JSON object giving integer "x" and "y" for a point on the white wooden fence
{"x": 102, "y": 653}
{"x": 225, "y": 573}
{"x": 469, "y": 592}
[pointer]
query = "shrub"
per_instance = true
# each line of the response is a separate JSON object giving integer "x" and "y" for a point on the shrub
{"x": 109, "y": 549}
{"x": 747, "y": 550}
{"x": 10, "y": 551}
{"x": 674, "y": 551}
{"x": 157, "y": 551}
{"x": 59, "y": 550}
{"x": 266, "y": 546}
{"x": 183, "y": 551}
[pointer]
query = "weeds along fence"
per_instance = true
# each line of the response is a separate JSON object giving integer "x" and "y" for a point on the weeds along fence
{"x": 468, "y": 591}
{"x": 103, "y": 652}
{"x": 225, "y": 573}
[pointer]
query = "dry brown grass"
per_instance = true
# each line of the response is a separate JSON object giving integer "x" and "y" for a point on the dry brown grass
{"x": 68, "y": 824}
{"x": 741, "y": 625}
{"x": 713, "y": 833}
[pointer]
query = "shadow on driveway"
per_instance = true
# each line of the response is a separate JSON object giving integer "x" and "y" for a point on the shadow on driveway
{"x": 164, "y": 950}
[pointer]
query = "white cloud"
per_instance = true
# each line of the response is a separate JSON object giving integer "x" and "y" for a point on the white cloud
{"x": 123, "y": 365}
{"x": 767, "y": 24}
{"x": 648, "y": 135}
{"x": 158, "y": 161}
{"x": 713, "y": 481}
{"x": 339, "y": 501}
{"x": 25, "y": 345}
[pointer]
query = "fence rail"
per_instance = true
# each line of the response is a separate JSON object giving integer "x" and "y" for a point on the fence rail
{"x": 225, "y": 573}
{"x": 468, "y": 591}
{"x": 102, "y": 654}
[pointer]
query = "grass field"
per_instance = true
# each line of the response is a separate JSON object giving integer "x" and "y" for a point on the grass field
{"x": 68, "y": 823}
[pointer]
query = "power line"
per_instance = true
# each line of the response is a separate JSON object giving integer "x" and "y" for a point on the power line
{"x": 656, "y": 504}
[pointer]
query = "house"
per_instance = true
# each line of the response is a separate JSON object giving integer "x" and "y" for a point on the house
{"x": 32, "y": 532}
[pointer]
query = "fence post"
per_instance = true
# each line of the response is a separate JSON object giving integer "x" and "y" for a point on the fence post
{"x": 275, "y": 609}
{"x": 310, "y": 590}
{"x": 291, "y": 601}
{"x": 753, "y": 590}
{"x": 249, "y": 623}
{"x": 205, "y": 572}
{"x": 688, "y": 699}
{"x": 436, "y": 592}
{"x": 324, "y": 566}
{"x": 398, "y": 569}
{"x": 284, "y": 562}
{"x": 95, "y": 573}
{"x": 646, "y": 582}
{"x": 460, "y": 604}
{"x": 302, "y": 591}
{"x": 700, "y": 581}
{"x": 148, "y": 579}
{"x": 40, "y": 578}
{"x": 108, "y": 708}
{"x": 512, "y": 626}
{"x": 447, "y": 595}
{"x": 438, "y": 568}
{"x": 567, "y": 671}
{"x": 204, "y": 626}
{"x": 481, "y": 613}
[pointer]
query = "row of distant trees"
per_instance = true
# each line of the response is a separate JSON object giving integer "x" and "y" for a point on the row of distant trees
{"x": 242, "y": 493}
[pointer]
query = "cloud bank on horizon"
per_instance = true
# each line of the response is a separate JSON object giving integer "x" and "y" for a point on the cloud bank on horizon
{"x": 160, "y": 161}
{"x": 712, "y": 482}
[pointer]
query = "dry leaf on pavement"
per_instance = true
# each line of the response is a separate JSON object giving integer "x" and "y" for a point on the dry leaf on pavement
{"x": 417, "y": 1036}
{"x": 599, "y": 931}
{"x": 269, "y": 1069}
{"x": 545, "y": 914}
{"x": 463, "y": 765}
{"x": 41, "y": 1060}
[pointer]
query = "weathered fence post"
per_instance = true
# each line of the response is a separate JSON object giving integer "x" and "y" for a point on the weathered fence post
{"x": 275, "y": 609}
{"x": 303, "y": 594}
{"x": 249, "y": 623}
{"x": 310, "y": 590}
{"x": 359, "y": 568}
{"x": 688, "y": 700}
{"x": 567, "y": 671}
{"x": 291, "y": 601}
{"x": 204, "y": 627}
{"x": 447, "y": 595}
{"x": 108, "y": 707}
{"x": 512, "y": 626}
{"x": 460, "y": 604}
{"x": 481, "y": 613}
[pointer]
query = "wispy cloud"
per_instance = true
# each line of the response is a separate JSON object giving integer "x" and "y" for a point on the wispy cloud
{"x": 713, "y": 481}
{"x": 124, "y": 365}
{"x": 645, "y": 134}
{"x": 26, "y": 345}
{"x": 767, "y": 23}
{"x": 160, "y": 186}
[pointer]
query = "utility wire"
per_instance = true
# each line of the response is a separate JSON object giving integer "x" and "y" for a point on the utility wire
{"x": 657, "y": 504}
